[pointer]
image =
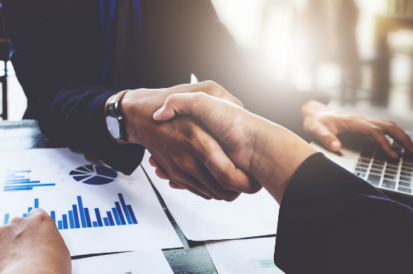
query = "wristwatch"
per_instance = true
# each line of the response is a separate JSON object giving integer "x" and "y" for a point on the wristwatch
{"x": 114, "y": 118}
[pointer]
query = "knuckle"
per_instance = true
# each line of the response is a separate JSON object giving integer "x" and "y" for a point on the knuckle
{"x": 225, "y": 180}
{"x": 16, "y": 221}
{"x": 231, "y": 196}
{"x": 186, "y": 165}
{"x": 211, "y": 88}
{"x": 41, "y": 216}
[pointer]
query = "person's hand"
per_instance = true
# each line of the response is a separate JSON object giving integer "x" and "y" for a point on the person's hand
{"x": 189, "y": 156}
{"x": 33, "y": 245}
{"x": 325, "y": 124}
{"x": 270, "y": 153}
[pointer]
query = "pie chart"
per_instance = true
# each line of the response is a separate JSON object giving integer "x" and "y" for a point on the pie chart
{"x": 94, "y": 175}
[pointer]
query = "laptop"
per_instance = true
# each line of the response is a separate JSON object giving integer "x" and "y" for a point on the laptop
{"x": 362, "y": 156}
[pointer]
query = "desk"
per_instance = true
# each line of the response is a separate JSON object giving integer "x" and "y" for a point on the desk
{"x": 193, "y": 258}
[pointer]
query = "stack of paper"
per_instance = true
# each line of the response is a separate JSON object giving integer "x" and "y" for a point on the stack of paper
{"x": 203, "y": 220}
{"x": 95, "y": 208}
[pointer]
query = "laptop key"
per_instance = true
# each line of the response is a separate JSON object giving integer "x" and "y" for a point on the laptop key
{"x": 392, "y": 177}
{"x": 390, "y": 171}
{"x": 409, "y": 185}
{"x": 389, "y": 184}
{"x": 404, "y": 189}
{"x": 374, "y": 179}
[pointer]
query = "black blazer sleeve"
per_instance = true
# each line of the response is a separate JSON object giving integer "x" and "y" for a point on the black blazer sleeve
{"x": 59, "y": 75}
{"x": 334, "y": 222}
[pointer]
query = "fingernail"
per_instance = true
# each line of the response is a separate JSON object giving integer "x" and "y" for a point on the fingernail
{"x": 334, "y": 145}
{"x": 157, "y": 112}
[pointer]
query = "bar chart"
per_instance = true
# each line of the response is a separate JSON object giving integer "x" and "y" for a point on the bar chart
{"x": 81, "y": 217}
{"x": 18, "y": 180}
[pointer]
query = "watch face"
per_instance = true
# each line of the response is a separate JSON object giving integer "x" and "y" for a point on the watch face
{"x": 112, "y": 124}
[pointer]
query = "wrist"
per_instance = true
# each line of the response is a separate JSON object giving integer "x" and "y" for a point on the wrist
{"x": 278, "y": 153}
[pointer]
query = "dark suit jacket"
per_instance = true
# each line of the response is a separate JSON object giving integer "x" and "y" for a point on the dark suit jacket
{"x": 57, "y": 53}
{"x": 331, "y": 221}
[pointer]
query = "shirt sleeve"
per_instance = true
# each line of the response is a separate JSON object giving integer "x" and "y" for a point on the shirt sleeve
{"x": 59, "y": 78}
{"x": 331, "y": 221}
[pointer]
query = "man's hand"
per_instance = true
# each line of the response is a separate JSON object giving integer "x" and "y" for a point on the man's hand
{"x": 269, "y": 152}
{"x": 325, "y": 124}
{"x": 191, "y": 158}
{"x": 33, "y": 245}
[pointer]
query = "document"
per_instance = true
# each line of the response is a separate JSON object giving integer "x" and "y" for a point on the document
{"x": 138, "y": 262}
{"x": 248, "y": 256}
{"x": 203, "y": 220}
{"x": 95, "y": 208}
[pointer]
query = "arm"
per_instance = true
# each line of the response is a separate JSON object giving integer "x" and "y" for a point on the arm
{"x": 330, "y": 220}
{"x": 33, "y": 245}
{"x": 60, "y": 79}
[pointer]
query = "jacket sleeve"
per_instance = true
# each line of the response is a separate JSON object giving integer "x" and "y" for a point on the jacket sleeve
{"x": 331, "y": 221}
{"x": 60, "y": 76}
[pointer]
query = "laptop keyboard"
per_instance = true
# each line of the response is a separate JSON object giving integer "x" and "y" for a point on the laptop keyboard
{"x": 383, "y": 172}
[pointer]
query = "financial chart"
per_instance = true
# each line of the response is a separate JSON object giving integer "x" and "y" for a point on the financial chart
{"x": 95, "y": 208}
{"x": 80, "y": 217}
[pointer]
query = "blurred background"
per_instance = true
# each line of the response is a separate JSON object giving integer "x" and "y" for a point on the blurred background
{"x": 360, "y": 52}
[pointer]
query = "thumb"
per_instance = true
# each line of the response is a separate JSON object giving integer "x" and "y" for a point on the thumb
{"x": 183, "y": 104}
{"x": 329, "y": 140}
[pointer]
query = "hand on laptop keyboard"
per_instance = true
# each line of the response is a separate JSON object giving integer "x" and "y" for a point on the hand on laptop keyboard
{"x": 325, "y": 124}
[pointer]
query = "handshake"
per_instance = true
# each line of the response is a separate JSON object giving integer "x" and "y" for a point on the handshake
{"x": 203, "y": 140}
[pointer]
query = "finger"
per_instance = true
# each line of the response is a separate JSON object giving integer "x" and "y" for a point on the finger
{"x": 185, "y": 180}
{"x": 175, "y": 186}
{"x": 161, "y": 173}
{"x": 329, "y": 140}
{"x": 397, "y": 133}
{"x": 222, "y": 168}
{"x": 190, "y": 189}
{"x": 36, "y": 211}
{"x": 153, "y": 162}
{"x": 193, "y": 104}
{"x": 202, "y": 174}
{"x": 367, "y": 128}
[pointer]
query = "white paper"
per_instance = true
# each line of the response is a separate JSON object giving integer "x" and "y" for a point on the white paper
{"x": 53, "y": 166}
{"x": 203, "y": 220}
{"x": 248, "y": 256}
{"x": 137, "y": 262}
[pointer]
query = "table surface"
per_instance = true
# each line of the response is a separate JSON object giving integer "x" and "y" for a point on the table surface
{"x": 193, "y": 258}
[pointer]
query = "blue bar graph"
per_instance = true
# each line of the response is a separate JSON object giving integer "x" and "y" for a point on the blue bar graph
{"x": 64, "y": 217}
{"x": 71, "y": 220}
{"x": 19, "y": 180}
{"x": 88, "y": 222}
{"x": 105, "y": 220}
{"x": 125, "y": 209}
{"x": 110, "y": 219}
{"x": 6, "y": 219}
{"x": 122, "y": 219}
{"x": 76, "y": 216}
{"x": 81, "y": 211}
{"x": 98, "y": 217}
{"x": 115, "y": 216}
{"x": 132, "y": 215}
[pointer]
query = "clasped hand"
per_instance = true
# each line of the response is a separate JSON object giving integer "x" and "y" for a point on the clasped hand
{"x": 267, "y": 152}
